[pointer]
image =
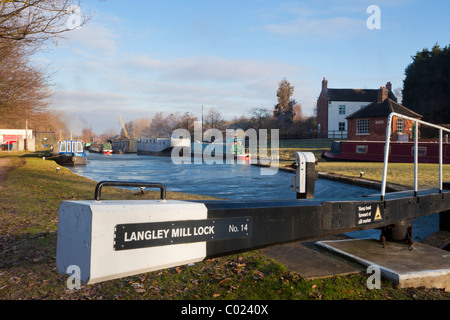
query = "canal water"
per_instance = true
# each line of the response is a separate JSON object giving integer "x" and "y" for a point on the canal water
{"x": 225, "y": 181}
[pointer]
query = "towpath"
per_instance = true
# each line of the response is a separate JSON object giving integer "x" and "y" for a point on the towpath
{"x": 4, "y": 168}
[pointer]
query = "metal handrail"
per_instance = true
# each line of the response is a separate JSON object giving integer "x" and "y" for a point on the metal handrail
{"x": 98, "y": 188}
{"x": 416, "y": 151}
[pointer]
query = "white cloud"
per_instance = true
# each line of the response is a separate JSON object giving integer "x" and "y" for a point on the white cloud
{"x": 87, "y": 100}
{"x": 209, "y": 68}
{"x": 99, "y": 110}
{"x": 95, "y": 36}
{"x": 316, "y": 27}
{"x": 140, "y": 85}
{"x": 317, "y": 20}
{"x": 196, "y": 79}
{"x": 222, "y": 69}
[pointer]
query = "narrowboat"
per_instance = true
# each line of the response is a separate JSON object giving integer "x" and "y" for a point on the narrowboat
{"x": 161, "y": 146}
{"x": 96, "y": 147}
{"x": 69, "y": 152}
{"x": 373, "y": 151}
{"x": 120, "y": 144}
{"x": 231, "y": 148}
{"x": 107, "y": 148}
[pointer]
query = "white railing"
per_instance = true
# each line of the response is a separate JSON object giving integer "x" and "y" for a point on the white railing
{"x": 416, "y": 151}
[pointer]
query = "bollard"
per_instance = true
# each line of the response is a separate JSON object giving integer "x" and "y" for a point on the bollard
{"x": 304, "y": 181}
{"x": 397, "y": 231}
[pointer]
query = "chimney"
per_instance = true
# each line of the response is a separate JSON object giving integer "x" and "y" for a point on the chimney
{"x": 324, "y": 84}
{"x": 382, "y": 94}
{"x": 389, "y": 86}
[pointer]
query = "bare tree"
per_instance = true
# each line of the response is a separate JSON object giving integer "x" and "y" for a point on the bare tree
{"x": 187, "y": 121}
{"x": 88, "y": 134}
{"x": 35, "y": 21}
{"x": 139, "y": 126}
{"x": 158, "y": 127}
{"x": 24, "y": 88}
{"x": 259, "y": 115}
{"x": 213, "y": 119}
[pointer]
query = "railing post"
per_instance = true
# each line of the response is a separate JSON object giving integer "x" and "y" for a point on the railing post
{"x": 441, "y": 156}
{"x": 416, "y": 158}
{"x": 386, "y": 156}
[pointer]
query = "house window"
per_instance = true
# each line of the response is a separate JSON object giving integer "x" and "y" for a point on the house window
{"x": 362, "y": 127}
{"x": 400, "y": 126}
{"x": 341, "y": 126}
{"x": 341, "y": 109}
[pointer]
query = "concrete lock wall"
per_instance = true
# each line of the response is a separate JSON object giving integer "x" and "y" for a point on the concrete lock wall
{"x": 87, "y": 231}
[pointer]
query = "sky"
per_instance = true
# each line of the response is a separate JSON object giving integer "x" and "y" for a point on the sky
{"x": 135, "y": 58}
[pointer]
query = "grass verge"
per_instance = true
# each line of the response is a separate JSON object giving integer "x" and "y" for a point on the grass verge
{"x": 29, "y": 201}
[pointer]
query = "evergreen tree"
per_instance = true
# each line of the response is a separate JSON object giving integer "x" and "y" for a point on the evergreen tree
{"x": 426, "y": 88}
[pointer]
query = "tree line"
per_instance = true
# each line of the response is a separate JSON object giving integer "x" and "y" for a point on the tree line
{"x": 26, "y": 88}
{"x": 426, "y": 88}
{"x": 286, "y": 115}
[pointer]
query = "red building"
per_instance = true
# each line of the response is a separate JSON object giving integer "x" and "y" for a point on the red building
{"x": 334, "y": 105}
{"x": 369, "y": 123}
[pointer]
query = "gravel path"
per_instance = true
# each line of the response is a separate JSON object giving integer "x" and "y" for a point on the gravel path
{"x": 3, "y": 168}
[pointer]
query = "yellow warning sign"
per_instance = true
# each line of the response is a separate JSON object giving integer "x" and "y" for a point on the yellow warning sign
{"x": 365, "y": 214}
{"x": 378, "y": 214}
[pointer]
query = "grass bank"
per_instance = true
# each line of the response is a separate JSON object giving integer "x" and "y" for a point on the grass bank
{"x": 29, "y": 201}
{"x": 288, "y": 148}
{"x": 398, "y": 173}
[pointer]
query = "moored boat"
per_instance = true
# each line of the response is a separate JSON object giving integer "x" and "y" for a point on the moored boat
{"x": 96, "y": 147}
{"x": 229, "y": 149}
{"x": 161, "y": 146}
{"x": 69, "y": 152}
{"x": 121, "y": 144}
{"x": 107, "y": 148}
{"x": 373, "y": 151}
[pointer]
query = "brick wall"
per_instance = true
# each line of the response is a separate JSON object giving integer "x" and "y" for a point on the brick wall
{"x": 322, "y": 109}
{"x": 377, "y": 129}
{"x": 322, "y": 113}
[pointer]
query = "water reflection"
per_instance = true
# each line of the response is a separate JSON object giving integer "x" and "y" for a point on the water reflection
{"x": 229, "y": 181}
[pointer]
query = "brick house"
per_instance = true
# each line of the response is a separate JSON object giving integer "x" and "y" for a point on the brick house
{"x": 369, "y": 123}
{"x": 334, "y": 105}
